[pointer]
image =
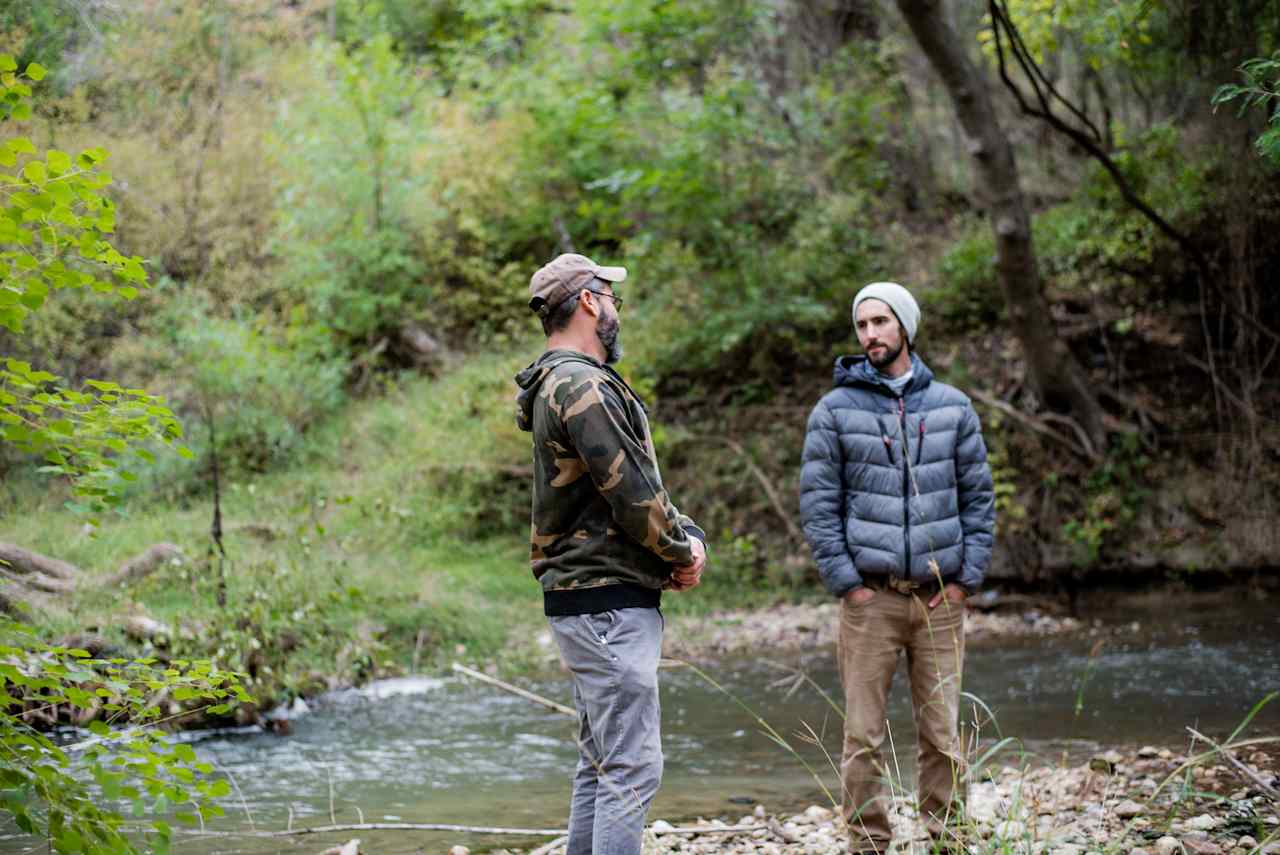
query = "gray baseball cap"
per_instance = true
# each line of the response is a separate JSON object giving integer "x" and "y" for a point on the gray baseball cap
{"x": 565, "y": 276}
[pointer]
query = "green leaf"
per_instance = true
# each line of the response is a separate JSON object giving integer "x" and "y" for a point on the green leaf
{"x": 36, "y": 71}
{"x": 7, "y": 63}
{"x": 59, "y": 161}
{"x": 21, "y": 145}
{"x": 34, "y": 172}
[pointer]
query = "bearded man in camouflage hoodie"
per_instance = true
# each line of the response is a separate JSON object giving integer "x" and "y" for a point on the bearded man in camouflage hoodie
{"x": 606, "y": 540}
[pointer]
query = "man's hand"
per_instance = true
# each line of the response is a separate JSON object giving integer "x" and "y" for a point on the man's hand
{"x": 687, "y": 576}
{"x": 953, "y": 592}
{"x": 859, "y": 595}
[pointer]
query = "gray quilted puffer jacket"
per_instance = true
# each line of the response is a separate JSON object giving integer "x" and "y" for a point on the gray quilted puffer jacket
{"x": 892, "y": 482}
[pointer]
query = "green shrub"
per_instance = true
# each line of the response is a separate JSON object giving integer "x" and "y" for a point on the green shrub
{"x": 262, "y": 387}
{"x": 967, "y": 294}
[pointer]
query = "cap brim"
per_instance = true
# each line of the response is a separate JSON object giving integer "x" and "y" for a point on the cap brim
{"x": 612, "y": 274}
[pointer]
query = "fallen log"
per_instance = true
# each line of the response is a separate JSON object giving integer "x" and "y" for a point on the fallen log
{"x": 143, "y": 565}
{"x": 24, "y": 561}
{"x": 37, "y": 581}
{"x": 11, "y": 605}
{"x": 31, "y": 571}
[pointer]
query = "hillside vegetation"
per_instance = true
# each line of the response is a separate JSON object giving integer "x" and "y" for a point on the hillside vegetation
{"x": 339, "y": 205}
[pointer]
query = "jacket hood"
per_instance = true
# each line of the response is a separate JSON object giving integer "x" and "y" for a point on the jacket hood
{"x": 858, "y": 371}
{"x": 530, "y": 381}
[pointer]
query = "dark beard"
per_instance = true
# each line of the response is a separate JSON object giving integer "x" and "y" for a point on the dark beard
{"x": 886, "y": 360}
{"x": 607, "y": 333}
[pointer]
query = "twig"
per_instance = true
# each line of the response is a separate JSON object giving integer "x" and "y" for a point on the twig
{"x": 1242, "y": 769}
{"x": 379, "y": 826}
{"x": 547, "y": 847}
{"x": 417, "y": 649}
{"x": 1081, "y": 435}
{"x": 461, "y": 829}
{"x": 329, "y": 771}
{"x": 1030, "y": 421}
{"x": 239, "y": 793}
{"x": 756, "y": 472}
{"x": 515, "y": 690}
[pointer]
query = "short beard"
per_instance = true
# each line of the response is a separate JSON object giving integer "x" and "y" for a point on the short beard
{"x": 607, "y": 333}
{"x": 886, "y": 360}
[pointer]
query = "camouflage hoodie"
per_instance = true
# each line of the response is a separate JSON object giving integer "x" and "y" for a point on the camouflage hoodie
{"x": 605, "y": 535}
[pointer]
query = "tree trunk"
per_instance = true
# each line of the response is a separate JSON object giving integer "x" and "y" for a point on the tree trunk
{"x": 1053, "y": 372}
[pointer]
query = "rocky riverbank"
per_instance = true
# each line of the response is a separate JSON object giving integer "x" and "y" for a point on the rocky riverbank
{"x": 788, "y": 627}
{"x": 1146, "y": 802}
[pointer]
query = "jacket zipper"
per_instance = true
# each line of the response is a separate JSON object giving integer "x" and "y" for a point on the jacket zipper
{"x": 906, "y": 486}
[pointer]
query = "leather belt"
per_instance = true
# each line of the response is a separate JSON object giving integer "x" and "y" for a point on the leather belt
{"x": 898, "y": 585}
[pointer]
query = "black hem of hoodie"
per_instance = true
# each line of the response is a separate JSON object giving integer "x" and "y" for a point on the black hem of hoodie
{"x": 602, "y": 598}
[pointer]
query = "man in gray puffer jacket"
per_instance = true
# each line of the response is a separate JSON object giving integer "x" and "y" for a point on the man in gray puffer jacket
{"x": 899, "y": 509}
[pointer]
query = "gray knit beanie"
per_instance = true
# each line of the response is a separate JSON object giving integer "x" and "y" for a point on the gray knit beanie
{"x": 897, "y": 298}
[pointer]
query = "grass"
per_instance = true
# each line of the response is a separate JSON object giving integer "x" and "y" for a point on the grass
{"x": 403, "y": 529}
{"x": 398, "y": 539}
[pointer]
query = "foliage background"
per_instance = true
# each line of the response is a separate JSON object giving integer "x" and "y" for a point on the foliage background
{"x": 338, "y": 204}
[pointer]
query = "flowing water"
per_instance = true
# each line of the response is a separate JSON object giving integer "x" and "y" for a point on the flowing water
{"x": 455, "y": 751}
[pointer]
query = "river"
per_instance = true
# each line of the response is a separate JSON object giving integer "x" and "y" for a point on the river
{"x": 451, "y": 750}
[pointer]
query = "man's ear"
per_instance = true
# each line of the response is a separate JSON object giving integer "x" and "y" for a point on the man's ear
{"x": 589, "y": 302}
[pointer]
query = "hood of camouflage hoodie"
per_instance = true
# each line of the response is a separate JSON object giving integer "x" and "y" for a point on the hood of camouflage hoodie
{"x": 600, "y": 514}
{"x": 530, "y": 381}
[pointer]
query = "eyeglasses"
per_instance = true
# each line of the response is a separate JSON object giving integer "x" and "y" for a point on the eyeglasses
{"x": 617, "y": 301}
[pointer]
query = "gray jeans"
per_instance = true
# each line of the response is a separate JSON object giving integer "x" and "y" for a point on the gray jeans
{"x": 613, "y": 657}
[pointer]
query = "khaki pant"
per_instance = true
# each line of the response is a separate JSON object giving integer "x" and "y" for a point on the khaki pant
{"x": 872, "y": 635}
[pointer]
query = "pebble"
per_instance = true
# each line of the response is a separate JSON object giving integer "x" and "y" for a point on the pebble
{"x": 1201, "y": 846}
{"x": 1128, "y": 809}
{"x": 459, "y": 850}
{"x": 1010, "y": 830}
{"x": 817, "y": 814}
{"x": 1041, "y": 810}
{"x": 1147, "y": 752}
